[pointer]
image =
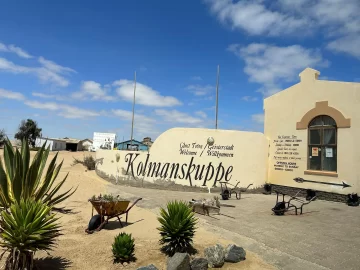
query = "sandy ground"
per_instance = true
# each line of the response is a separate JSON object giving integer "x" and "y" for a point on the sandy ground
{"x": 78, "y": 250}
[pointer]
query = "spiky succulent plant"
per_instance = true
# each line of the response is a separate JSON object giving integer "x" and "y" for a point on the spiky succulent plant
{"x": 22, "y": 179}
{"x": 178, "y": 225}
{"x": 123, "y": 248}
{"x": 27, "y": 226}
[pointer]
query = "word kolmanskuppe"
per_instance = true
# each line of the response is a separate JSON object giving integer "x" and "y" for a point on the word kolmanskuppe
{"x": 185, "y": 171}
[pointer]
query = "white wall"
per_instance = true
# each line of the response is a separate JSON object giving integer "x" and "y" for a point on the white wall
{"x": 241, "y": 156}
{"x": 54, "y": 144}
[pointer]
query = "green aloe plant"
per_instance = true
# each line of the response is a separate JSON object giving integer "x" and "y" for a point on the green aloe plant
{"x": 27, "y": 226}
{"x": 123, "y": 248}
{"x": 178, "y": 225}
{"x": 20, "y": 179}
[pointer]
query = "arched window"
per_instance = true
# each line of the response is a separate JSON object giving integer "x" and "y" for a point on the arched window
{"x": 322, "y": 144}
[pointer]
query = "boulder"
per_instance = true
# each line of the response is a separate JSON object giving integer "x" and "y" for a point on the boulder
{"x": 199, "y": 264}
{"x": 234, "y": 254}
{"x": 148, "y": 267}
{"x": 215, "y": 256}
{"x": 180, "y": 261}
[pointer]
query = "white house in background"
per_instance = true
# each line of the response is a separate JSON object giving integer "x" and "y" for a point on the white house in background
{"x": 55, "y": 144}
{"x": 86, "y": 144}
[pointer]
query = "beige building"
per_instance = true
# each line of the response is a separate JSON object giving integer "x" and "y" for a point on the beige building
{"x": 310, "y": 133}
{"x": 312, "y": 129}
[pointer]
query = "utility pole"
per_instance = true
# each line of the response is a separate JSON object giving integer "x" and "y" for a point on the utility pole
{"x": 217, "y": 97}
{"x": 133, "y": 111}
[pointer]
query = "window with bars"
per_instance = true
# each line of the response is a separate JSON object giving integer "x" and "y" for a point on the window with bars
{"x": 322, "y": 143}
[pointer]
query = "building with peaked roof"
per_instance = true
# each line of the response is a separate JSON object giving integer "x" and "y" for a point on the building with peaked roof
{"x": 134, "y": 146}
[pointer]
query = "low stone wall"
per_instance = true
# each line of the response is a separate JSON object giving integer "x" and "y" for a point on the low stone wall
{"x": 320, "y": 195}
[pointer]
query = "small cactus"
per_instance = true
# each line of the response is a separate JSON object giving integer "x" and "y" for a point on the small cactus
{"x": 123, "y": 248}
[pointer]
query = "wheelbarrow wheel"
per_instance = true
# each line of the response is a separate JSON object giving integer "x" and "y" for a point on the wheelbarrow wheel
{"x": 225, "y": 195}
{"x": 94, "y": 222}
{"x": 279, "y": 209}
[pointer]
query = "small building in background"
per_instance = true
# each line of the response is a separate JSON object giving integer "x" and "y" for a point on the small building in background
{"x": 86, "y": 144}
{"x": 147, "y": 141}
{"x": 55, "y": 144}
{"x": 134, "y": 146}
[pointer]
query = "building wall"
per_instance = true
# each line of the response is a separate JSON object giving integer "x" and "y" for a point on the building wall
{"x": 243, "y": 158}
{"x": 142, "y": 147}
{"x": 55, "y": 145}
{"x": 282, "y": 113}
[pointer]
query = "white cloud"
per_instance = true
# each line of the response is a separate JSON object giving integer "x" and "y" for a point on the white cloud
{"x": 200, "y": 90}
{"x": 44, "y": 74}
{"x": 337, "y": 21}
{"x": 201, "y": 114}
{"x": 178, "y": 117}
{"x": 11, "y": 95}
{"x": 50, "y": 65}
{"x": 249, "y": 98}
{"x": 258, "y": 118}
{"x": 145, "y": 95}
{"x": 14, "y": 49}
{"x": 271, "y": 65}
{"x": 64, "y": 110}
{"x": 143, "y": 125}
{"x": 349, "y": 44}
{"x": 255, "y": 17}
{"x": 94, "y": 91}
{"x": 47, "y": 96}
{"x": 196, "y": 78}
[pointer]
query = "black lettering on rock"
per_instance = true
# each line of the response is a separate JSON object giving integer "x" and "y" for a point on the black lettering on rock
{"x": 199, "y": 172}
{"x": 207, "y": 177}
{"x": 217, "y": 178}
{"x": 146, "y": 162}
{"x": 130, "y": 160}
{"x": 228, "y": 173}
{"x": 183, "y": 171}
{"x": 191, "y": 168}
{"x": 174, "y": 167}
{"x": 164, "y": 170}
{"x": 140, "y": 168}
{"x": 155, "y": 171}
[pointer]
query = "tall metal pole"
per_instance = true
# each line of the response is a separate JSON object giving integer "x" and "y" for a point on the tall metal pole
{"x": 217, "y": 97}
{"x": 133, "y": 111}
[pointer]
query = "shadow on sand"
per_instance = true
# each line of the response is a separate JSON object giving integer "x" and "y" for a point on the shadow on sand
{"x": 114, "y": 224}
{"x": 54, "y": 263}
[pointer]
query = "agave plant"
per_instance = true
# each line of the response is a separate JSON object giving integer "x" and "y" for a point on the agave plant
{"x": 123, "y": 248}
{"x": 178, "y": 225}
{"x": 27, "y": 226}
{"x": 21, "y": 180}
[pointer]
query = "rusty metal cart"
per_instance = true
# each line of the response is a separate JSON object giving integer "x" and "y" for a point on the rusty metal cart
{"x": 107, "y": 210}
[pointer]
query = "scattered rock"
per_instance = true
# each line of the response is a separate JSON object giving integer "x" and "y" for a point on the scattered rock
{"x": 180, "y": 261}
{"x": 199, "y": 264}
{"x": 215, "y": 256}
{"x": 148, "y": 267}
{"x": 234, "y": 254}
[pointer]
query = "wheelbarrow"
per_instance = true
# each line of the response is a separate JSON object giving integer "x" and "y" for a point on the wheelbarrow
{"x": 283, "y": 206}
{"x": 226, "y": 192}
{"x": 107, "y": 210}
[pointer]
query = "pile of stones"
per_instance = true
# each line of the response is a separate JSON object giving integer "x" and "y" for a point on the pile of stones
{"x": 215, "y": 257}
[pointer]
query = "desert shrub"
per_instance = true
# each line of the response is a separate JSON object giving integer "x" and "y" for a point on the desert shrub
{"x": 27, "y": 226}
{"x": 123, "y": 248}
{"x": 35, "y": 148}
{"x": 178, "y": 225}
{"x": 88, "y": 162}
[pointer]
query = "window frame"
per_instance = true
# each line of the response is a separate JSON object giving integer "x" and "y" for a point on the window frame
{"x": 322, "y": 145}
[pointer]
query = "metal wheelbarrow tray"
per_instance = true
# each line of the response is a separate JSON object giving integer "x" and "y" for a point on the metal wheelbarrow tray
{"x": 107, "y": 210}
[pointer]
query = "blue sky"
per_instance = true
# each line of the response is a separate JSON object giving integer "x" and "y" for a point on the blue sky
{"x": 70, "y": 65}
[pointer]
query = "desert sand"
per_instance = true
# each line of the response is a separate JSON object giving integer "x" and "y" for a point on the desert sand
{"x": 79, "y": 250}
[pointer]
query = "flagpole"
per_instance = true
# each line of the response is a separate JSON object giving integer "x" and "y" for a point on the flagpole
{"x": 133, "y": 111}
{"x": 217, "y": 97}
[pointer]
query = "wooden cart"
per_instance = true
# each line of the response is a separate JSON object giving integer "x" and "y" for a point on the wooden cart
{"x": 107, "y": 210}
